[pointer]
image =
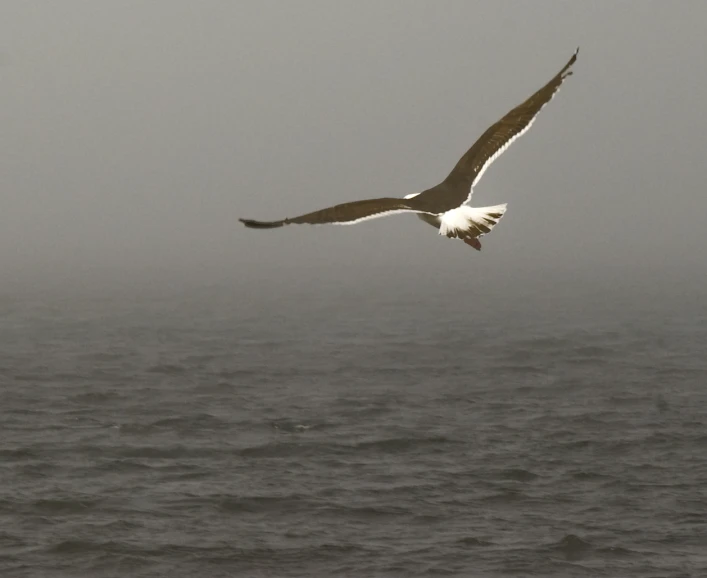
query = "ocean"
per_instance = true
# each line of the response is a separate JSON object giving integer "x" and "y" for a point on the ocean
{"x": 222, "y": 435}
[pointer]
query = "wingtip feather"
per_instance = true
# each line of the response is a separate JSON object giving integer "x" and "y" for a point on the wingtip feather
{"x": 565, "y": 72}
{"x": 253, "y": 224}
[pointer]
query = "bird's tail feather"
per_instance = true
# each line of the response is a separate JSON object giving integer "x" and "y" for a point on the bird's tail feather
{"x": 469, "y": 222}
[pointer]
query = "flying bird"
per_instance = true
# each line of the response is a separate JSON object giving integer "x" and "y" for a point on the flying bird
{"x": 444, "y": 206}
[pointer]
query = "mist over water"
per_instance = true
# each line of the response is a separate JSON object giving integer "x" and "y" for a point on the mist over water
{"x": 341, "y": 435}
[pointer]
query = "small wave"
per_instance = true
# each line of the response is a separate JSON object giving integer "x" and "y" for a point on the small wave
{"x": 103, "y": 356}
{"x": 38, "y": 470}
{"x": 24, "y": 411}
{"x": 617, "y": 551}
{"x": 279, "y": 449}
{"x": 121, "y": 465}
{"x": 579, "y": 444}
{"x": 290, "y": 426}
{"x": 519, "y": 475}
{"x": 673, "y": 439}
{"x": 394, "y": 445}
{"x": 234, "y": 374}
{"x": 591, "y": 351}
{"x": 166, "y": 369}
{"x": 181, "y": 422}
{"x": 661, "y": 404}
{"x": 70, "y": 377}
{"x": 29, "y": 377}
{"x": 63, "y": 506}
{"x": 506, "y": 497}
{"x": 199, "y": 360}
{"x": 680, "y": 372}
{"x": 572, "y": 547}
{"x": 217, "y": 387}
{"x": 590, "y": 476}
{"x": 626, "y": 400}
{"x": 18, "y": 454}
{"x": 277, "y": 557}
{"x": 254, "y": 504}
{"x": 156, "y": 452}
{"x": 96, "y": 397}
{"x": 11, "y": 540}
{"x": 521, "y": 368}
{"x": 271, "y": 450}
{"x": 136, "y": 428}
{"x": 184, "y": 470}
{"x": 74, "y": 547}
{"x": 341, "y": 511}
{"x": 473, "y": 541}
{"x": 538, "y": 343}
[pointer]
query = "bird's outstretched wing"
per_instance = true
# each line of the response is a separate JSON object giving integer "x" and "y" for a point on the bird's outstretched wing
{"x": 345, "y": 214}
{"x": 501, "y": 135}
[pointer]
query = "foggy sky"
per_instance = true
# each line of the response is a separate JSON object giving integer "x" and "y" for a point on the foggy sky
{"x": 135, "y": 134}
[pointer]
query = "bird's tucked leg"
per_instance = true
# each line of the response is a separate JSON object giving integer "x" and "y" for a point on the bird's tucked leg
{"x": 473, "y": 242}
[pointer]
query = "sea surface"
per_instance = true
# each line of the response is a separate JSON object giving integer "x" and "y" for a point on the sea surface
{"x": 218, "y": 435}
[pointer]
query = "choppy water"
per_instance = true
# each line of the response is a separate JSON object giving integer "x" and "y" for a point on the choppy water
{"x": 203, "y": 438}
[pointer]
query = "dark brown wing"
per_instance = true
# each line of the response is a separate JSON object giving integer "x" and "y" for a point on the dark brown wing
{"x": 501, "y": 135}
{"x": 346, "y": 214}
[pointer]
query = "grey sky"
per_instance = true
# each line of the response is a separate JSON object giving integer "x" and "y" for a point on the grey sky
{"x": 136, "y": 133}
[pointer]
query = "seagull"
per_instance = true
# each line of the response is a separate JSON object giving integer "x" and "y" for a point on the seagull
{"x": 444, "y": 206}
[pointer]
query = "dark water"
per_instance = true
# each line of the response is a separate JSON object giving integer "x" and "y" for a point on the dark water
{"x": 202, "y": 437}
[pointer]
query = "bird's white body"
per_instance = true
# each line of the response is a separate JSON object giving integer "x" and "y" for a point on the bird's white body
{"x": 451, "y": 223}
